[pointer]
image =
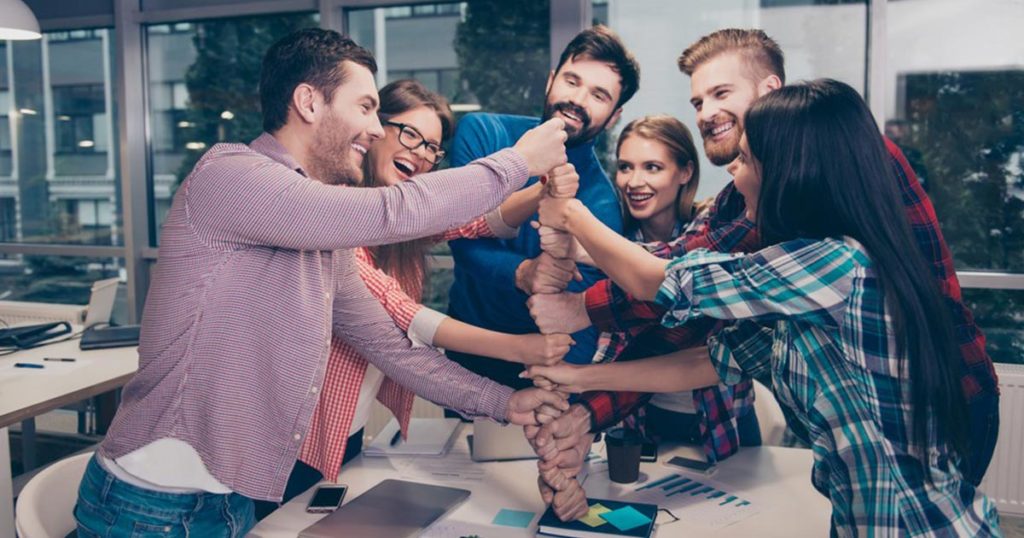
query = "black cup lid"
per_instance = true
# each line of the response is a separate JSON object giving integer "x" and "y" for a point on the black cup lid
{"x": 623, "y": 436}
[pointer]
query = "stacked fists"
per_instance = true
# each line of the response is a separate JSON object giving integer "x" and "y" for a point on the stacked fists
{"x": 561, "y": 451}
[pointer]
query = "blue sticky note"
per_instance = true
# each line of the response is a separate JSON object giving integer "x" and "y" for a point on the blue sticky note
{"x": 626, "y": 518}
{"x": 513, "y": 518}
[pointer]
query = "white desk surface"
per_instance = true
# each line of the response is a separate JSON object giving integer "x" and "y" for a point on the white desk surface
{"x": 28, "y": 392}
{"x": 779, "y": 474}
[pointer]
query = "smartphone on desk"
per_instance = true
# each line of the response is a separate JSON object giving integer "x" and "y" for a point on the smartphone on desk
{"x": 327, "y": 498}
{"x": 649, "y": 451}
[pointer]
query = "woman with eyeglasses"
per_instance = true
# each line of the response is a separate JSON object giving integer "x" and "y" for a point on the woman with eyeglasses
{"x": 416, "y": 122}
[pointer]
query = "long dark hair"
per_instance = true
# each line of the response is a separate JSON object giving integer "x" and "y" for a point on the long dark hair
{"x": 671, "y": 133}
{"x": 406, "y": 261}
{"x": 826, "y": 173}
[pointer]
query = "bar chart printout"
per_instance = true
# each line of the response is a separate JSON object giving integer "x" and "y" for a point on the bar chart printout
{"x": 698, "y": 500}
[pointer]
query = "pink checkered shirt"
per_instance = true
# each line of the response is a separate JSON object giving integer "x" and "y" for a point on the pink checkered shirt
{"x": 255, "y": 272}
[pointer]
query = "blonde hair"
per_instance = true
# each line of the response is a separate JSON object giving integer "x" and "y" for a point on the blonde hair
{"x": 677, "y": 139}
{"x": 761, "y": 52}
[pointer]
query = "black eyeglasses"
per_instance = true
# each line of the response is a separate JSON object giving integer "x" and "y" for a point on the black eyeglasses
{"x": 411, "y": 139}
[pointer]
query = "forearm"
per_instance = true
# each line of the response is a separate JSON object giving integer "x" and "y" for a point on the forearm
{"x": 465, "y": 338}
{"x": 625, "y": 262}
{"x": 521, "y": 205}
{"x": 360, "y": 320}
{"x": 686, "y": 369}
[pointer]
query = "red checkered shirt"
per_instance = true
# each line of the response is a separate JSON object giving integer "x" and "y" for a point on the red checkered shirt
{"x": 613, "y": 310}
{"x": 324, "y": 447}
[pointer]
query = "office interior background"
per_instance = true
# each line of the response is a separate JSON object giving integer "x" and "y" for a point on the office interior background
{"x": 102, "y": 118}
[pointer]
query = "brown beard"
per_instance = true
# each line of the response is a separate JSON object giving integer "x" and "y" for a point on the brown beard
{"x": 330, "y": 158}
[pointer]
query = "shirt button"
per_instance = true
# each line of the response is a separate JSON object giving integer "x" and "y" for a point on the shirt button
{"x": 327, "y": 295}
{"x": 313, "y": 390}
{"x": 297, "y": 436}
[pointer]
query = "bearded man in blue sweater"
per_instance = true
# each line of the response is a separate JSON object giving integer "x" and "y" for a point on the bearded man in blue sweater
{"x": 595, "y": 76}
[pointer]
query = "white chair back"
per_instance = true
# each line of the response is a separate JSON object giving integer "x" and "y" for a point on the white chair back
{"x": 46, "y": 505}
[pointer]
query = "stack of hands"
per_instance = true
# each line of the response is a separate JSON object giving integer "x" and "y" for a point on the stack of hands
{"x": 560, "y": 434}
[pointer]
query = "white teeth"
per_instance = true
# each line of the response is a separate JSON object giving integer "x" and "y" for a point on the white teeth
{"x": 722, "y": 128}
{"x": 405, "y": 166}
{"x": 359, "y": 148}
{"x": 640, "y": 196}
{"x": 570, "y": 116}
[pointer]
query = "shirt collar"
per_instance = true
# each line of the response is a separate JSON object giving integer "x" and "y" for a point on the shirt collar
{"x": 267, "y": 145}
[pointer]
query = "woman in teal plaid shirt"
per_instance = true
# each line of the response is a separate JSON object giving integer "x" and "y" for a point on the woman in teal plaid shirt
{"x": 839, "y": 313}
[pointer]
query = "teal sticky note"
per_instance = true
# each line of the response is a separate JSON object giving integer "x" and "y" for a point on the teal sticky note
{"x": 513, "y": 518}
{"x": 626, "y": 518}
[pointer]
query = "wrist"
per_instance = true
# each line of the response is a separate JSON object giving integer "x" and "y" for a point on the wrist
{"x": 574, "y": 211}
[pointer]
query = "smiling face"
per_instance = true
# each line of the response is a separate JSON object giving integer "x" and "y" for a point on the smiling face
{"x": 390, "y": 161}
{"x": 583, "y": 93}
{"x": 345, "y": 129}
{"x": 746, "y": 174}
{"x": 722, "y": 89}
{"x": 649, "y": 178}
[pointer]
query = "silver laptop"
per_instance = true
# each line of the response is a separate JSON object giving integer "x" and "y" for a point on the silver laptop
{"x": 393, "y": 508}
{"x": 497, "y": 442}
{"x": 101, "y": 302}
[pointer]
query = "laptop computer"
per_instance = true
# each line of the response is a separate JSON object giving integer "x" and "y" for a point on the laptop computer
{"x": 393, "y": 508}
{"x": 498, "y": 442}
{"x": 101, "y": 301}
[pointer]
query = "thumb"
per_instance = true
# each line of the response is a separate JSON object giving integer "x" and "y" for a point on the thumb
{"x": 552, "y": 398}
{"x": 536, "y": 225}
{"x": 577, "y": 275}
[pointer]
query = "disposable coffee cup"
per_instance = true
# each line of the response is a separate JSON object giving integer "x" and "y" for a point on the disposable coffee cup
{"x": 623, "y": 448}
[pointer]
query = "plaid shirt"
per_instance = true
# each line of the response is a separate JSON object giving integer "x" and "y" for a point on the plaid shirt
{"x": 717, "y": 408}
{"x": 635, "y": 325}
{"x": 816, "y": 323}
{"x": 611, "y": 309}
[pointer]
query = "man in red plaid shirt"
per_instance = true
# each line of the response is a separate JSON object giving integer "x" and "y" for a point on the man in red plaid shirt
{"x": 728, "y": 71}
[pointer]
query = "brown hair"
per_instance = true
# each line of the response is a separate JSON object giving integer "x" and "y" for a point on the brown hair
{"x": 601, "y": 44}
{"x": 677, "y": 138}
{"x": 313, "y": 56}
{"x": 760, "y": 51}
{"x": 406, "y": 261}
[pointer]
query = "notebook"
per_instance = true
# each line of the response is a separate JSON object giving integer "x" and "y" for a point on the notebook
{"x": 606, "y": 518}
{"x": 427, "y": 437}
{"x": 393, "y": 508}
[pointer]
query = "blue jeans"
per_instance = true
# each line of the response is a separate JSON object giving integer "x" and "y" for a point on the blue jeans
{"x": 109, "y": 507}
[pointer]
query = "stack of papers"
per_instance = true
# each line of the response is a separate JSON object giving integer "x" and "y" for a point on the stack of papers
{"x": 427, "y": 437}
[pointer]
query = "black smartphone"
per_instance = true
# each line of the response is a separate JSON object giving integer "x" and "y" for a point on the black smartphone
{"x": 326, "y": 498}
{"x": 691, "y": 464}
{"x": 649, "y": 451}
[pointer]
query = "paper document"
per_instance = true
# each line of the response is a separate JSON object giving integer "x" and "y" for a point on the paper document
{"x": 698, "y": 499}
{"x": 456, "y": 466}
{"x": 427, "y": 437}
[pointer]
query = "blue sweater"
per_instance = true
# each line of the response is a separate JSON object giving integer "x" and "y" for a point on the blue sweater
{"x": 484, "y": 292}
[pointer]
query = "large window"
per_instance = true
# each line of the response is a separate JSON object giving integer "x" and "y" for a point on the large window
{"x": 957, "y": 111}
{"x": 203, "y": 89}
{"x": 57, "y": 139}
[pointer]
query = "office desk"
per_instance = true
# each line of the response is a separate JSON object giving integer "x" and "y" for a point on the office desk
{"x": 780, "y": 474}
{"x": 27, "y": 393}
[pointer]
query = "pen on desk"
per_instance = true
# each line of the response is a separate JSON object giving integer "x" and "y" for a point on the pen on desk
{"x": 27, "y": 365}
{"x": 396, "y": 438}
{"x": 59, "y": 359}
